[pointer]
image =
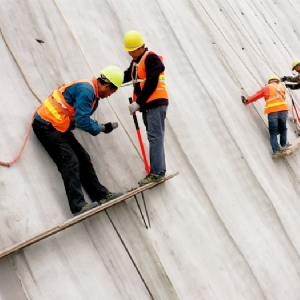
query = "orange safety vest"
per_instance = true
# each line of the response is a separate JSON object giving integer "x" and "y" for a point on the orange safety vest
{"x": 57, "y": 111}
{"x": 276, "y": 101}
{"x": 140, "y": 76}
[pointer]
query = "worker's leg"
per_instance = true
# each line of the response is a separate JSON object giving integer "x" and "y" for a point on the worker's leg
{"x": 154, "y": 120}
{"x": 88, "y": 177}
{"x": 273, "y": 130}
{"x": 282, "y": 118}
{"x": 59, "y": 149}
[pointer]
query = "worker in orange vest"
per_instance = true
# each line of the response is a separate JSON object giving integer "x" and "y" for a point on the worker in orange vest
{"x": 150, "y": 97}
{"x": 276, "y": 108}
{"x": 68, "y": 106}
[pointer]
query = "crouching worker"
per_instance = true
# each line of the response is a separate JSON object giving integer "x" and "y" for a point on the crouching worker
{"x": 277, "y": 110}
{"x": 68, "y": 106}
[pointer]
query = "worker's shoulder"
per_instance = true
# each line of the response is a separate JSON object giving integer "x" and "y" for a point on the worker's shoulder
{"x": 153, "y": 59}
{"x": 152, "y": 55}
{"x": 82, "y": 88}
{"x": 85, "y": 84}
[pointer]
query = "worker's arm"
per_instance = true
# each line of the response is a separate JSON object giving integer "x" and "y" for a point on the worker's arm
{"x": 292, "y": 78}
{"x": 84, "y": 97}
{"x": 264, "y": 92}
{"x": 127, "y": 74}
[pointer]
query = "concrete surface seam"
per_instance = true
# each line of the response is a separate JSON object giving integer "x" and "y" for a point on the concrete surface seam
{"x": 258, "y": 51}
{"x": 19, "y": 278}
{"x": 72, "y": 35}
{"x": 160, "y": 265}
{"x": 198, "y": 15}
{"x": 266, "y": 8}
{"x": 216, "y": 212}
{"x": 241, "y": 86}
{"x": 19, "y": 66}
{"x": 15, "y": 269}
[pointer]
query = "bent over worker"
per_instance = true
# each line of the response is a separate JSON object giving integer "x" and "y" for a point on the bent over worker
{"x": 68, "y": 106}
{"x": 294, "y": 79}
{"x": 150, "y": 97}
{"x": 276, "y": 108}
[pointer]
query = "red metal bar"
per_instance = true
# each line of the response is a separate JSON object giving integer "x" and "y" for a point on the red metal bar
{"x": 147, "y": 168}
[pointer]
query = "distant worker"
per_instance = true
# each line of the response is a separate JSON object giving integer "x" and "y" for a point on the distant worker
{"x": 68, "y": 106}
{"x": 276, "y": 108}
{"x": 150, "y": 97}
{"x": 295, "y": 79}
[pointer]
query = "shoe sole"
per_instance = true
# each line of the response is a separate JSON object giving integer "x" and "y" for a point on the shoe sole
{"x": 81, "y": 212}
{"x": 141, "y": 184}
{"x": 100, "y": 202}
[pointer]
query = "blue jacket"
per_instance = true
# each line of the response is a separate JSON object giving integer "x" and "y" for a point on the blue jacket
{"x": 81, "y": 96}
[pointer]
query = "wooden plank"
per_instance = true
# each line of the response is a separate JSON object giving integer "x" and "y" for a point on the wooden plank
{"x": 80, "y": 218}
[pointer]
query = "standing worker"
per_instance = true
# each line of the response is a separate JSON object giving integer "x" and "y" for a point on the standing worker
{"x": 277, "y": 110}
{"x": 150, "y": 97}
{"x": 68, "y": 106}
{"x": 295, "y": 79}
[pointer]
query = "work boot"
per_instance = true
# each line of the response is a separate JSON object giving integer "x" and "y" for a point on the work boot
{"x": 277, "y": 154}
{"x": 86, "y": 207}
{"x": 288, "y": 146}
{"x": 151, "y": 178}
{"x": 109, "y": 197}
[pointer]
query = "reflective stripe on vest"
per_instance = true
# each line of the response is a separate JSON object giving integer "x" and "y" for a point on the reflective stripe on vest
{"x": 140, "y": 76}
{"x": 276, "y": 101}
{"x": 57, "y": 111}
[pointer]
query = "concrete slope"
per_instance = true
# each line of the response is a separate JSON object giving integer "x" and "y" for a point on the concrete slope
{"x": 226, "y": 227}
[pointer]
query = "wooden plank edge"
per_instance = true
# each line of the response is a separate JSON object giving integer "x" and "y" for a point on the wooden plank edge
{"x": 73, "y": 221}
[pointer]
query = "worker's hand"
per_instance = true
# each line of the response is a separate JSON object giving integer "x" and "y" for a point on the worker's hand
{"x": 283, "y": 79}
{"x": 290, "y": 86}
{"x": 133, "y": 107}
{"x": 109, "y": 127}
{"x": 244, "y": 100}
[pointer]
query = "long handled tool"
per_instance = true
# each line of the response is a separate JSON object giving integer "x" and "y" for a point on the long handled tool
{"x": 296, "y": 121}
{"x": 140, "y": 141}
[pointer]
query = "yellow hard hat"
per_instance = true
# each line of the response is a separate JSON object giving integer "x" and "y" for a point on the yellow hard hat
{"x": 273, "y": 77}
{"x": 112, "y": 74}
{"x": 295, "y": 63}
{"x": 133, "y": 40}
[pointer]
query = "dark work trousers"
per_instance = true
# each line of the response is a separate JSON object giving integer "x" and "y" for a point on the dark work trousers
{"x": 73, "y": 163}
{"x": 154, "y": 120}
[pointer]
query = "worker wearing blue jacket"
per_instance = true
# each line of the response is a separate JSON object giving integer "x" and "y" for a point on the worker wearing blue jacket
{"x": 69, "y": 106}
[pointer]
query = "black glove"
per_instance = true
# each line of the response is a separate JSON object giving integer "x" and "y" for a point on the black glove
{"x": 290, "y": 86}
{"x": 283, "y": 79}
{"x": 108, "y": 128}
{"x": 244, "y": 100}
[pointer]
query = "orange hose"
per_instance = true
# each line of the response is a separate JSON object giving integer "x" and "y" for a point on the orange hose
{"x": 7, "y": 164}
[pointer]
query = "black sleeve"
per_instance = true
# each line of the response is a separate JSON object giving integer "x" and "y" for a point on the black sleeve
{"x": 293, "y": 78}
{"x": 154, "y": 67}
{"x": 127, "y": 74}
{"x": 294, "y": 86}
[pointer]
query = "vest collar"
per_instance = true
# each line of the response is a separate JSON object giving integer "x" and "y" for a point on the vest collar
{"x": 95, "y": 83}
